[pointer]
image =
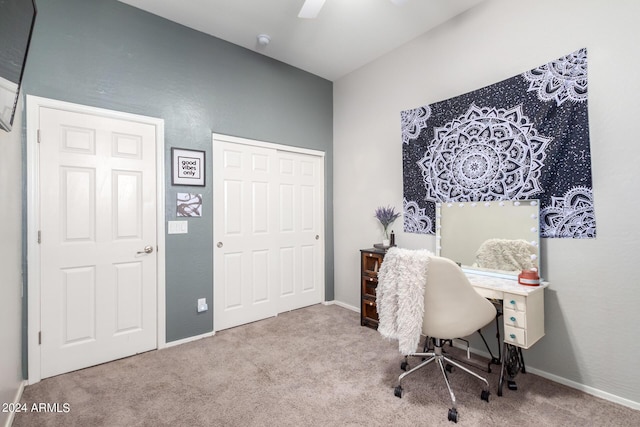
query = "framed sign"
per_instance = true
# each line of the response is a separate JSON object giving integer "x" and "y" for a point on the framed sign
{"x": 187, "y": 167}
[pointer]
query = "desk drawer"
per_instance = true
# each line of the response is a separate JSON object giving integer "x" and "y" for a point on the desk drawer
{"x": 515, "y": 302}
{"x": 488, "y": 293}
{"x": 517, "y": 319}
{"x": 515, "y": 336}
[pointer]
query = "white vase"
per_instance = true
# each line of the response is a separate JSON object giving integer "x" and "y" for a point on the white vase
{"x": 386, "y": 242}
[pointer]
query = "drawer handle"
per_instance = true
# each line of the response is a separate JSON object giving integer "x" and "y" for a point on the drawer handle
{"x": 512, "y": 302}
{"x": 513, "y": 336}
{"x": 513, "y": 319}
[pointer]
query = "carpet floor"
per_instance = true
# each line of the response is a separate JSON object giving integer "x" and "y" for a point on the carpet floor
{"x": 310, "y": 367}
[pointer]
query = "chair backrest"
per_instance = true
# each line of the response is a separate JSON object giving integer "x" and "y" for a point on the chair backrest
{"x": 452, "y": 307}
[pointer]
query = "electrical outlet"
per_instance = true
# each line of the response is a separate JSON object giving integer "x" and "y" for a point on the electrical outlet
{"x": 202, "y": 305}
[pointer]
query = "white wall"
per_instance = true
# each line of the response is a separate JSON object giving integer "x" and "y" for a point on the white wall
{"x": 592, "y": 339}
{"x": 10, "y": 264}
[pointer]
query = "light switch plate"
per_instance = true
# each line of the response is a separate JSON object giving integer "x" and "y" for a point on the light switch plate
{"x": 178, "y": 227}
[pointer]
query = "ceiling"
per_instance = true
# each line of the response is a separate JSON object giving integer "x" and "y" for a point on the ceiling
{"x": 346, "y": 34}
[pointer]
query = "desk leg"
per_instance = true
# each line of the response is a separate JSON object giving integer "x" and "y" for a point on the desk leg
{"x": 494, "y": 360}
{"x": 522, "y": 369}
{"x": 501, "y": 381}
{"x": 498, "y": 306}
{"x": 512, "y": 363}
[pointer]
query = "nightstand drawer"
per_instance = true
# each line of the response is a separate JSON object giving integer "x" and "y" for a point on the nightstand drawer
{"x": 369, "y": 287}
{"x": 371, "y": 279}
{"x": 371, "y": 263}
{"x": 369, "y": 309}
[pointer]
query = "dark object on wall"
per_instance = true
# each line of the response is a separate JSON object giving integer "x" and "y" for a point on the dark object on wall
{"x": 523, "y": 138}
{"x": 16, "y": 26}
{"x": 187, "y": 167}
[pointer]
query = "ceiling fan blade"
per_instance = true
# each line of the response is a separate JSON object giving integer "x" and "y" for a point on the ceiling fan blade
{"x": 311, "y": 8}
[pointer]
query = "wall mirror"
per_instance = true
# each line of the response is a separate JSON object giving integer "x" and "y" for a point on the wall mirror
{"x": 498, "y": 238}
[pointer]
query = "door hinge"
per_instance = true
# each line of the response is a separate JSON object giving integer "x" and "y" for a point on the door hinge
{"x": 39, "y": 236}
{"x": 38, "y": 136}
{"x": 39, "y": 337}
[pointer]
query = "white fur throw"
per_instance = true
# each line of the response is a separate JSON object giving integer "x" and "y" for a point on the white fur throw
{"x": 506, "y": 255}
{"x": 400, "y": 296}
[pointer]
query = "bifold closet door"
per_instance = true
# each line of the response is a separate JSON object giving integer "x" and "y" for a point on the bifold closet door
{"x": 300, "y": 219}
{"x": 268, "y": 222}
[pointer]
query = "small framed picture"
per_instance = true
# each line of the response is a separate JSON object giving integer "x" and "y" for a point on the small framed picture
{"x": 187, "y": 167}
{"x": 188, "y": 204}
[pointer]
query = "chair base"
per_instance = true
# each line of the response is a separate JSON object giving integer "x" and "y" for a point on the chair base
{"x": 444, "y": 363}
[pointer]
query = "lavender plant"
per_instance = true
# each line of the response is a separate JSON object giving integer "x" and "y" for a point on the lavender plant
{"x": 386, "y": 216}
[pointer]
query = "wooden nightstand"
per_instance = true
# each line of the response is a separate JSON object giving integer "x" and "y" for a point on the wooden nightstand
{"x": 370, "y": 261}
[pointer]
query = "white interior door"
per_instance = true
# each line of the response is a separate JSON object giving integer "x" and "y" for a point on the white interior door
{"x": 300, "y": 217}
{"x": 243, "y": 217}
{"x": 268, "y": 223}
{"x": 98, "y": 278}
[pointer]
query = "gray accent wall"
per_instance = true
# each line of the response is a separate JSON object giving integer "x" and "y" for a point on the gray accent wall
{"x": 106, "y": 54}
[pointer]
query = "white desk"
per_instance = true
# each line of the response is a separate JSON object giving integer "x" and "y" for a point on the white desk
{"x": 523, "y": 320}
{"x": 523, "y": 307}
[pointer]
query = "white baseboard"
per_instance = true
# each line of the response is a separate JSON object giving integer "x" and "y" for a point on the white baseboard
{"x": 210, "y": 334}
{"x": 589, "y": 390}
{"x": 341, "y": 304}
{"x": 186, "y": 340}
{"x": 569, "y": 383}
{"x": 16, "y": 400}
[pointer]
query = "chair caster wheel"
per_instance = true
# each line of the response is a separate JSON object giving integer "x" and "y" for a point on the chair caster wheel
{"x": 404, "y": 366}
{"x": 448, "y": 367}
{"x": 453, "y": 415}
{"x": 512, "y": 385}
{"x": 398, "y": 391}
{"x": 485, "y": 395}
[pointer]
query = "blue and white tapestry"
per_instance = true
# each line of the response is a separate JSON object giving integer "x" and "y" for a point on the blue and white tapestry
{"x": 526, "y": 137}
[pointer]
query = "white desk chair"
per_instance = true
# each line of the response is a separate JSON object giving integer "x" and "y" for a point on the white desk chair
{"x": 452, "y": 309}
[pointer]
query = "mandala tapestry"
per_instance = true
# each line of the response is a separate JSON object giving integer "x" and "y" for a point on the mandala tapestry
{"x": 526, "y": 137}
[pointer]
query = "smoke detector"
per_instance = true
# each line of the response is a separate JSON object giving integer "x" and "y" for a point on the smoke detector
{"x": 263, "y": 39}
